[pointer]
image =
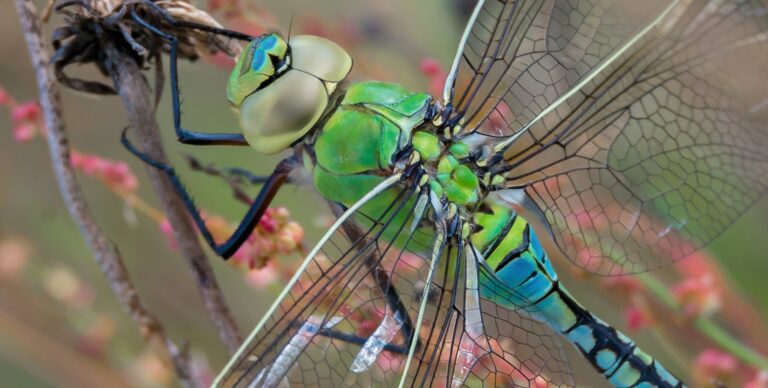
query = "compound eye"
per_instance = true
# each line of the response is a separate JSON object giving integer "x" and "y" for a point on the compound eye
{"x": 275, "y": 117}
{"x": 320, "y": 57}
{"x": 255, "y": 67}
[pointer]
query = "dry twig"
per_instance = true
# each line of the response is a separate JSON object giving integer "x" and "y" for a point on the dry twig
{"x": 102, "y": 32}
{"x": 104, "y": 251}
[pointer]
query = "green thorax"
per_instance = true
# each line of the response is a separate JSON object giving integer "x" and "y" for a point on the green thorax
{"x": 356, "y": 146}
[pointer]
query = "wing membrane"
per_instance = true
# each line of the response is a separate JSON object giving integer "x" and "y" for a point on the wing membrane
{"x": 339, "y": 324}
{"x": 315, "y": 332}
{"x": 663, "y": 149}
{"x": 476, "y": 343}
{"x": 518, "y": 57}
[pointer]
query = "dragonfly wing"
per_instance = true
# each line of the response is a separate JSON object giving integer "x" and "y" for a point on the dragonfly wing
{"x": 338, "y": 322}
{"x": 317, "y": 333}
{"x": 517, "y": 57}
{"x": 658, "y": 152}
{"x": 468, "y": 340}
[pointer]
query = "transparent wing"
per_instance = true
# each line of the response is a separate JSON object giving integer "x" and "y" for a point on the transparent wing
{"x": 517, "y": 57}
{"x": 659, "y": 151}
{"x": 345, "y": 320}
{"x": 469, "y": 340}
{"x": 382, "y": 303}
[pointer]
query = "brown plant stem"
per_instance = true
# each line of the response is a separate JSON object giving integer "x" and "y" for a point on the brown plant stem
{"x": 137, "y": 98}
{"x": 105, "y": 252}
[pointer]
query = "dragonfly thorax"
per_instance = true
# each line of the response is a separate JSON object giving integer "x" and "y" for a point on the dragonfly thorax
{"x": 379, "y": 129}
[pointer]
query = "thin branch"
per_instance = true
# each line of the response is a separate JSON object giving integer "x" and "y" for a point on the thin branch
{"x": 135, "y": 93}
{"x": 105, "y": 252}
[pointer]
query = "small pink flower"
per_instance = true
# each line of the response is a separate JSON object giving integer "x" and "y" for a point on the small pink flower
{"x": 758, "y": 380}
{"x": 119, "y": 176}
{"x": 267, "y": 223}
{"x": 263, "y": 277}
{"x": 436, "y": 75}
{"x": 27, "y": 112}
{"x": 285, "y": 242}
{"x": 281, "y": 215}
{"x": 295, "y": 231}
{"x": 637, "y": 318}
{"x": 698, "y": 295}
{"x": 167, "y": 230}
{"x": 4, "y": 97}
{"x": 23, "y": 133}
{"x": 714, "y": 366}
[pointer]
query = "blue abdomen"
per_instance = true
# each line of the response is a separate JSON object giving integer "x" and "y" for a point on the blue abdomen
{"x": 526, "y": 280}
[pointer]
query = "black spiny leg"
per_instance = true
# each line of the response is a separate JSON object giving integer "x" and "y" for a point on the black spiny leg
{"x": 184, "y": 135}
{"x": 251, "y": 218}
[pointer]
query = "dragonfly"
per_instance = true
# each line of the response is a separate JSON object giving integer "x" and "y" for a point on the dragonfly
{"x": 635, "y": 127}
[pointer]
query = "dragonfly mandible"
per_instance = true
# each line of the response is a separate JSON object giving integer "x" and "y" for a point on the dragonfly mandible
{"x": 431, "y": 275}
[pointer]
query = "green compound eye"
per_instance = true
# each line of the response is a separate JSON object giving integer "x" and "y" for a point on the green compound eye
{"x": 255, "y": 66}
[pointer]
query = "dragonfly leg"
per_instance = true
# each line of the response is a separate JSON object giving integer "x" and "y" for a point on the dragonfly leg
{"x": 240, "y": 175}
{"x": 395, "y": 304}
{"x": 182, "y": 134}
{"x": 252, "y": 216}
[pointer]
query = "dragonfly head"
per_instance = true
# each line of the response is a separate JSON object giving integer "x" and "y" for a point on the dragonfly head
{"x": 282, "y": 88}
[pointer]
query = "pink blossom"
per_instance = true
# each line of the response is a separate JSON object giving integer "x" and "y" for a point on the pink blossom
{"x": 758, "y": 380}
{"x": 120, "y": 176}
{"x": 115, "y": 175}
{"x": 697, "y": 295}
{"x": 637, "y": 318}
{"x": 714, "y": 366}
{"x": 4, "y": 97}
{"x": 436, "y": 75}
{"x": 23, "y": 133}
{"x": 263, "y": 277}
{"x": 167, "y": 231}
{"x": 27, "y": 112}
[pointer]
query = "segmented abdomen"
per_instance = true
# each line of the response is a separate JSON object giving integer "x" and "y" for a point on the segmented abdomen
{"x": 512, "y": 250}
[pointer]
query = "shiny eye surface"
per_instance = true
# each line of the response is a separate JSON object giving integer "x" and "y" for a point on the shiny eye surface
{"x": 256, "y": 67}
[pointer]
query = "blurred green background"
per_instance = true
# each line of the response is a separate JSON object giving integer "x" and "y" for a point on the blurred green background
{"x": 45, "y": 341}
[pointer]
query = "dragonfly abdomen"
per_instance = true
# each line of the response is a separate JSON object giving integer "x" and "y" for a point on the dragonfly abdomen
{"x": 525, "y": 279}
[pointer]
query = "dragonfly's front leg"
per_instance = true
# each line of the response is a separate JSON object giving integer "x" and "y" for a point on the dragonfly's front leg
{"x": 184, "y": 135}
{"x": 250, "y": 220}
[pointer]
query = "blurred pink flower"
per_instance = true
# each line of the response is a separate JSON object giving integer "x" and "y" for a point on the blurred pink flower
{"x": 714, "y": 366}
{"x": 263, "y": 277}
{"x": 115, "y": 175}
{"x": 167, "y": 231}
{"x": 436, "y": 75}
{"x": 758, "y": 380}
{"x": 697, "y": 295}
{"x": 23, "y": 133}
{"x": 637, "y": 318}
{"x": 275, "y": 235}
{"x": 119, "y": 175}
{"x": 26, "y": 112}
{"x": 4, "y": 97}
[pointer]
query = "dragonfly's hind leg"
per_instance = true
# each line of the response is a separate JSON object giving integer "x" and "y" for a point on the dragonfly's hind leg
{"x": 398, "y": 310}
{"x": 184, "y": 135}
{"x": 251, "y": 218}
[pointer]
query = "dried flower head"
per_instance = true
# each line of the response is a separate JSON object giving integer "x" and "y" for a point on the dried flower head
{"x": 94, "y": 24}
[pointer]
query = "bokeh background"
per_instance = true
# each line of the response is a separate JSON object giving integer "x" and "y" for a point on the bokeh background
{"x": 60, "y": 324}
